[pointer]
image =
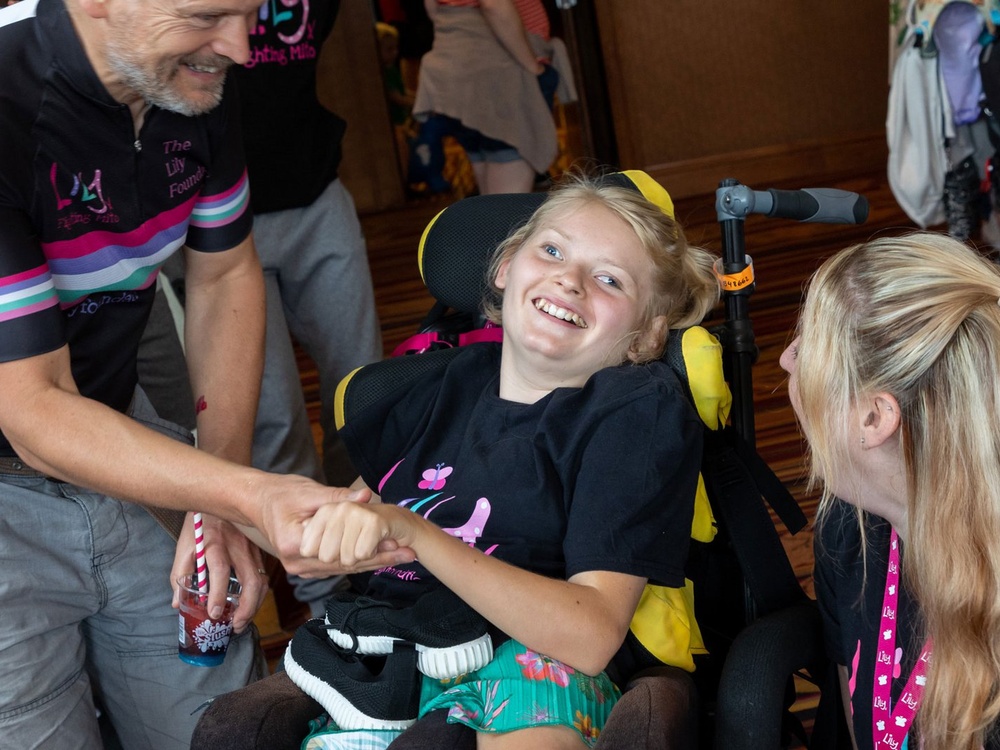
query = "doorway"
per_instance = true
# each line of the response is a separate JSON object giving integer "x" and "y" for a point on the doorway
{"x": 583, "y": 123}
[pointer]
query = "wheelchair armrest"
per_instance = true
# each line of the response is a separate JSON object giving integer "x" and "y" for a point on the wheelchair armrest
{"x": 658, "y": 710}
{"x": 271, "y": 714}
{"x": 754, "y": 678}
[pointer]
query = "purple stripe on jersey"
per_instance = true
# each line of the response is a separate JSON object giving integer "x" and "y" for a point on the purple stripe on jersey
{"x": 222, "y": 209}
{"x": 26, "y": 292}
{"x": 93, "y": 242}
{"x": 18, "y": 281}
{"x": 206, "y": 202}
{"x": 114, "y": 253}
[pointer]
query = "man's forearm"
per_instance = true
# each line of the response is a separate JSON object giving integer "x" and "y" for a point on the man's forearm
{"x": 224, "y": 337}
{"x": 58, "y": 432}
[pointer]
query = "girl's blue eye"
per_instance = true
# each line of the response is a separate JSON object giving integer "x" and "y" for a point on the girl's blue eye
{"x": 609, "y": 280}
{"x": 553, "y": 251}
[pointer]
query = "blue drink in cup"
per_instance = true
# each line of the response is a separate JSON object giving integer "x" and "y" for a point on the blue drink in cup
{"x": 201, "y": 640}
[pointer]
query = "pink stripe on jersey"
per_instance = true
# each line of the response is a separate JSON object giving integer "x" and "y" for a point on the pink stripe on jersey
{"x": 218, "y": 210}
{"x": 20, "y": 312}
{"x": 210, "y": 200}
{"x": 9, "y": 281}
{"x": 97, "y": 240}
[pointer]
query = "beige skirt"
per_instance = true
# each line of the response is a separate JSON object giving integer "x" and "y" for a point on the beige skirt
{"x": 469, "y": 75}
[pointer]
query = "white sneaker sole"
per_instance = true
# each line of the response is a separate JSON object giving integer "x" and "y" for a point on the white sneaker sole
{"x": 341, "y": 710}
{"x": 437, "y": 663}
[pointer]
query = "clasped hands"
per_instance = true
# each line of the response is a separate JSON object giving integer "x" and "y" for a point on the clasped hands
{"x": 358, "y": 535}
{"x": 318, "y": 531}
{"x": 315, "y": 531}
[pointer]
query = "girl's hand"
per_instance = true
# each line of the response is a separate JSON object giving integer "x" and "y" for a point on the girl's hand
{"x": 358, "y": 537}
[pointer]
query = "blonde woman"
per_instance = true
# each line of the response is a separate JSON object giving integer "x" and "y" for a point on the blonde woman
{"x": 895, "y": 379}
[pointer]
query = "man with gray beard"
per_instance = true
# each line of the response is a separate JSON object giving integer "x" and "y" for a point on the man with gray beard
{"x": 119, "y": 145}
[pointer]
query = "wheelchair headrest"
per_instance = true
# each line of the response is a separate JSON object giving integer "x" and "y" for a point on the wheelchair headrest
{"x": 457, "y": 245}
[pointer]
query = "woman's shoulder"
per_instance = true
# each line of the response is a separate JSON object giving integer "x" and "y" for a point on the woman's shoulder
{"x": 416, "y": 381}
{"x": 629, "y": 397}
{"x": 841, "y": 533}
{"x": 656, "y": 372}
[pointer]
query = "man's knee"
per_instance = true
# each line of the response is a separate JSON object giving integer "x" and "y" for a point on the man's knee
{"x": 62, "y": 717}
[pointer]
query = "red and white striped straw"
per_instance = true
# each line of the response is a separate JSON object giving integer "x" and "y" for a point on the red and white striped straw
{"x": 199, "y": 555}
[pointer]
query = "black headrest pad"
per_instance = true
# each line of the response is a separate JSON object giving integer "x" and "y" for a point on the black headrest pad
{"x": 457, "y": 245}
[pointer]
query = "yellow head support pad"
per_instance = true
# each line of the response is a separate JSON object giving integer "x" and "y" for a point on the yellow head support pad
{"x": 653, "y": 191}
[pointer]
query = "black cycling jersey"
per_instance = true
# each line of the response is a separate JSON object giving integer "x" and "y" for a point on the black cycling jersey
{"x": 89, "y": 211}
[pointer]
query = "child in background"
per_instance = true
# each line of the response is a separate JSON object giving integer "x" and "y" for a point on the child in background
{"x": 400, "y": 100}
{"x": 543, "y": 480}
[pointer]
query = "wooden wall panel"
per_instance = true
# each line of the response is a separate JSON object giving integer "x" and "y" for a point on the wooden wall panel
{"x": 350, "y": 84}
{"x": 695, "y": 84}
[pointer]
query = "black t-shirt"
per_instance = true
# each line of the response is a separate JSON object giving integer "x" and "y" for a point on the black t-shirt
{"x": 293, "y": 143}
{"x": 852, "y": 609}
{"x": 594, "y": 478}
{"x": 88, "y": 211}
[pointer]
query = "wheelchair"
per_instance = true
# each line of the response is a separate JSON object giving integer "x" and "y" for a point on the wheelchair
{"x": 758, "y": 626}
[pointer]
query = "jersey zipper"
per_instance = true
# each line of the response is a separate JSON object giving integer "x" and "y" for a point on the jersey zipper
{"x": 137, "y": 157}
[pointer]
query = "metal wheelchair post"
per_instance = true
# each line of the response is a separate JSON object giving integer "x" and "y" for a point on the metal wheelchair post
{"x": 736, "y": 276}
{"x": 733, "y": 202}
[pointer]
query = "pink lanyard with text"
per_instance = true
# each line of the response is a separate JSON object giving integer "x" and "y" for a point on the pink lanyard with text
{"x": 889, "y": 730}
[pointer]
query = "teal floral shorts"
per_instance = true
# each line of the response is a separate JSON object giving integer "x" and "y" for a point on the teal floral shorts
{"x": 521, "y": 689}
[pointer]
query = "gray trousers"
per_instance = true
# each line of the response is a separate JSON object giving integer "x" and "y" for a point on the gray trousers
{"x": 85, "y": 611}
{"x": 319, "y": 288}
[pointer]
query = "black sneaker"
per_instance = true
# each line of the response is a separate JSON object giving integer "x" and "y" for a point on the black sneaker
{"x": 451, "y": 637}
{"x": 357, "y": 693}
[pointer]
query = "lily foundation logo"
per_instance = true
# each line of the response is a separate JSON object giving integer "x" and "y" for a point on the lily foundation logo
{"x": 80, "y": 198}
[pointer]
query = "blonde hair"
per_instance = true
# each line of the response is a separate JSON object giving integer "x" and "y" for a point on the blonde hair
{"x": 918, "y": 317}
{"x": 386, "y": 30}
{"x": 685, "y": 287}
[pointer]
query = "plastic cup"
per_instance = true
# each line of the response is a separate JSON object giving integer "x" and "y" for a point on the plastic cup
{"x": 201, "y": 640}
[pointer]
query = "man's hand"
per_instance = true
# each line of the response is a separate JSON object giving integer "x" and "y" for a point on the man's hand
{"x": 287, "y": 503}
{"x": 226, "y": 547}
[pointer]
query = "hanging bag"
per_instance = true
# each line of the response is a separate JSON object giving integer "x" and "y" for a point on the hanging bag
{"x": 915, "y": 131}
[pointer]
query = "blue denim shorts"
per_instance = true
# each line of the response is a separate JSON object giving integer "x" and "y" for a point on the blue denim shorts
{"x": 478, "y": 147}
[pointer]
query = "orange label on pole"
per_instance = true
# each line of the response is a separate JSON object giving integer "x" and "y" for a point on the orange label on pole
{"x": 733, "y": 282}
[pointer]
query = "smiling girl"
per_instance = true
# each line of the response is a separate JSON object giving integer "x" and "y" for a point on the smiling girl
{"x": 563, "y": 463}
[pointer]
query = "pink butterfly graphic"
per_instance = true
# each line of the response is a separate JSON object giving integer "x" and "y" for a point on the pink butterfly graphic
{"x": 434, "y": 479}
